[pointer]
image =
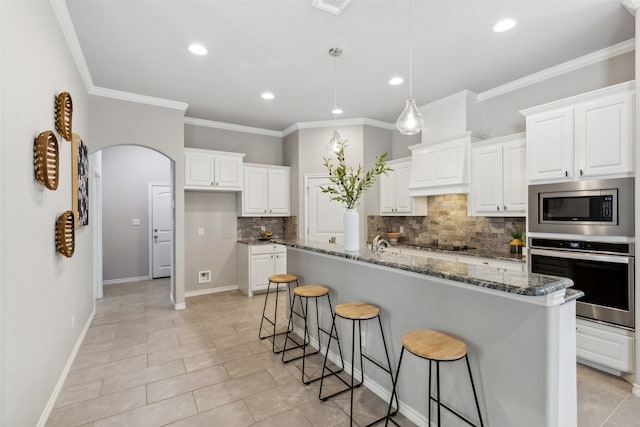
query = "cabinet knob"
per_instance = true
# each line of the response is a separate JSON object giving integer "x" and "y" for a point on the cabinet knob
{"x": 580, "y": 172}
{"x": 212, "y": 183}
{"x": 504, "y": 207}
{"x": 265, "y": 211}
{"x": 566, "y": 173}
{"x": 216, "y": 183}
{"x": 497, "y": 208}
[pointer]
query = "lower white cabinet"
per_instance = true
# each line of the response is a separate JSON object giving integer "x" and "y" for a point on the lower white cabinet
{"x": 256, "y": 263}
{"x": 604, "y": 345}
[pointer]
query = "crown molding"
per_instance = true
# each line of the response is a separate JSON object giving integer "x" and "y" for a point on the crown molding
{"x": 140, "y": 99}
{"x": 631, "y": 6}
{"x": 560, "y": 69}
{"x": 230, "y": 126}
{"x": 68, "y": 30}
{"x": 333, "y": 123}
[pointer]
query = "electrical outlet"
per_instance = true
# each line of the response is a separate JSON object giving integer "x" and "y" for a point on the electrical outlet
{"x": 204, "y": 276}
{"x": 263, "y": 228}
{"x": 402, "y": 229}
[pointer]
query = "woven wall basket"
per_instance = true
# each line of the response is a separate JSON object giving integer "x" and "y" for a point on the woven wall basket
{"x": 46, "y": 159}
{"x": 65, "y": 234}
{"x": 64, "y": 112}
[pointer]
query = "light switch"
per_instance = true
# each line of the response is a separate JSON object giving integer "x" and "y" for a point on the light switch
{"x": 200, "y": 231}
{"x": 135, "y": 221}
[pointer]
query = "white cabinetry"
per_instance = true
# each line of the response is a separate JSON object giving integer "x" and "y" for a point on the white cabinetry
{"x": 604, "y": 345}
{"x": 212, "y": 170}
{"x": 394, "y": 191}
{"x": 441, "y": 167}
{"x": 256, "y": 263}
{"x": 586, "y": 136}
{"x": 266, "y": 191}
{"x": 498, "y": 177}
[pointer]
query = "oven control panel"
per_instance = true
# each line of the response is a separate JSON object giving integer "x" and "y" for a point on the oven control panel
{"x": 580, "y": 245}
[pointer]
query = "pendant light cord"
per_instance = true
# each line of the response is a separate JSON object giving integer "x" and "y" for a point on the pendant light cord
{"x": 335, "y": 85}
{"x": 410, "y": 49}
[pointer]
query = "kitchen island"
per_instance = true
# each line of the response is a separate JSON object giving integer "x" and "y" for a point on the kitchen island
{"x": 519, "y": 329}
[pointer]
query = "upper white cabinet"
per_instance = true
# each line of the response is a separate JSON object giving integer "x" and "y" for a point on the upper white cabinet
{"x": 394, "y": 191}
{"x": 212, "y": 170}
{"x": 586, "y": 136}
{"x": 441, "y": 167}
{"x": 266, "y": 191}
{"x": 498, "y": 177}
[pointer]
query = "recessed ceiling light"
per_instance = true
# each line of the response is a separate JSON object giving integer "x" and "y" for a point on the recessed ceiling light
{"x": 197, "y": 49}
{"x": 268, "y": 95}
{"x": 337, "y": 111}
{"x": 504, "y": 25}
{"x": 395, "y": 81}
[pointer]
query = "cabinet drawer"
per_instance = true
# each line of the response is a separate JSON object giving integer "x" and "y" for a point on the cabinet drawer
{"x": 605, "y": 345}
{"x": 267, "y": 249}
{"x": 489, "y": 262}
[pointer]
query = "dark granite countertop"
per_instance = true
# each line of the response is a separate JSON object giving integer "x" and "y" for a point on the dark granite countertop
{"x": 497, "y": 253}
{"x": 515, "y": 282}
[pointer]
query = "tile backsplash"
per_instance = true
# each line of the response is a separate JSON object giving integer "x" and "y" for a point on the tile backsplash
{"x": 250, "y": 227}
{"x": 448, "y": 223}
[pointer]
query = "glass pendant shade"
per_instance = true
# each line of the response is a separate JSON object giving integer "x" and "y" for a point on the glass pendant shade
{"x": 333, "y": 145}
{"x": 410, "y": 120}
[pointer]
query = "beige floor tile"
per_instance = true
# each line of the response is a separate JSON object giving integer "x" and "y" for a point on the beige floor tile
{"x": 86, "y": 360}
{"x": 95, "y": 409}
{"x": 235, "y": 339}
{"x": 232, "y": 390}
{"x": 180, "y": 352}
{"x": 594, "y": 406}
{"x": 82, "y": 375}
{"x": 154, "y": 415}
{"x": 293, "y": 417}
{"x": 79, "y": 392}
{"x": 233, "y": 414}
{"x": 591, "y": 378}
{"x": 103, "y": 346}
{"x": 215, "y": 357}
{"x": 186, "y": 382}
{"x": 147, "y": 347}
{"x": 142, "y": 376}
{"x": 253, "y": 363}
{"x": 620, "y": 421}
{"x": 630, "y": 408}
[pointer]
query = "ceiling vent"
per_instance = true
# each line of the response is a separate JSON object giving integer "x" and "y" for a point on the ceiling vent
{"x": 334, "y": 7}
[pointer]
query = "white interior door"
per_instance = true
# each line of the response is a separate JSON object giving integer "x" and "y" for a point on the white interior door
{"x": 161, "y": 231}
{"x": 324, "y": 217}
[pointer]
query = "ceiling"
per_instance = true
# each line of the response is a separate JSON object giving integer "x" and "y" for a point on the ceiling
{"x": 282, "y": 46}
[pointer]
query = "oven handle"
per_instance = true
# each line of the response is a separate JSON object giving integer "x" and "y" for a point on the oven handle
{"x": 581, "y": 255}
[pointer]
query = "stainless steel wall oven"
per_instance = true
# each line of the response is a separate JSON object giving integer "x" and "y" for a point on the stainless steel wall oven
{"x": 603, "y": 271}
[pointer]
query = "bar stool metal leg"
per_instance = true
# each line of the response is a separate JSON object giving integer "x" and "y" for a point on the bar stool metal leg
{"x": 275, "y": 313}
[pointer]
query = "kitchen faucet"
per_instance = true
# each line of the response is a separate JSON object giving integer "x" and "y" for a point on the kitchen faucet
{"x": 377, "y": 243}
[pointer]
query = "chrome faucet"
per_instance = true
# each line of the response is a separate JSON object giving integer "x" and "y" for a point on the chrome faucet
{"x": 377, "y": 243}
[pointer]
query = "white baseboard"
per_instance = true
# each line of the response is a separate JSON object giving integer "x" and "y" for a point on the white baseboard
{"x": 63, "y": 376}
{"x": 210, "y": 291}
{"x": 636, "y": 389}
{"x": 380, "y": 391}
{"x": 180, "y": 306}
{"x": 126, "y": 280}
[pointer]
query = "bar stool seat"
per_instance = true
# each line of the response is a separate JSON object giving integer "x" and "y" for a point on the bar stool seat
{"x": 357, "y": 312}
{"x": 277, "y": 280}
{"x": 306, "y": 292}
{"x": 436, "y": 347}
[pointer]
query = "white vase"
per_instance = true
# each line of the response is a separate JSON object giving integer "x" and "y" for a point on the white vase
{"x": 351, "y": 230}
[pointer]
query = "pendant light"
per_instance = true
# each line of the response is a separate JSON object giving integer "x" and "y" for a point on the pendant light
{"x": 410, "y": 120}
{"x": 335, "y": 140}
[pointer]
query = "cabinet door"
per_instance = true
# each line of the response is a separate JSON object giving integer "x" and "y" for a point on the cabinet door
{"x": 262, "y": 266}
{"x": 486, "y": 179}
{"x": 255, "y": 192}
{"x": 279, "y": 192}
{"x": 404, "y": 203}
{"x": 280, "y": 263}
{"x": 387, "y": 193}
{"x": 604, "y": 136}
{"x": 198, "y": 170}
{"x": 228, "y": 172}
{"x": 514, "y": 180}
{"x": 550, "y": 145}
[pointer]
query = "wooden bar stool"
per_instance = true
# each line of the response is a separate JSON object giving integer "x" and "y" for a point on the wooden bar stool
{"x": 306, "y": 292}
{"x": 436, "y": 347}
{"x": 277, "y": 280}
{"x": 357, "y": 312}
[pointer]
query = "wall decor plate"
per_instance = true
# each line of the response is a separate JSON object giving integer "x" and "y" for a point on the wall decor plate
{"x": 80, "y": 181}
{"x": 64, "y": 113}
{"x": 46, "y": 159}
{"x": 66, "y": 234}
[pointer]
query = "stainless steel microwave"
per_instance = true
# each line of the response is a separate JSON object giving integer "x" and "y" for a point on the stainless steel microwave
{"x": 596, "y": 207}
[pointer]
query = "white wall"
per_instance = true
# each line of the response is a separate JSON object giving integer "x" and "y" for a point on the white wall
{"x": 376, "y": 141}
{"x": 126, "y": 174}
{"x": 47, "y": 298}
{"x": 116, "y": 122}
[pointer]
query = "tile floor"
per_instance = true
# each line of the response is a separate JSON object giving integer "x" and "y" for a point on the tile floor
{"x": 144, "y": 364}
